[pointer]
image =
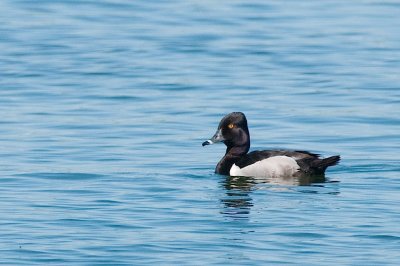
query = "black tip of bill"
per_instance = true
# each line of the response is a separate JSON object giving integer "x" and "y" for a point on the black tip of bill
{"x": 207, "y": 142}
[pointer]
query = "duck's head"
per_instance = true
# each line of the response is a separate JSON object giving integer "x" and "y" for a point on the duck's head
{"x": 233, "y": 131}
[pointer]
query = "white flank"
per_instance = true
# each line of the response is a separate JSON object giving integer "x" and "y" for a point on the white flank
{"x": 277, "y": 166}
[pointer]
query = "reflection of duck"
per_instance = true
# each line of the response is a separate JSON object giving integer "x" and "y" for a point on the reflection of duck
{"x": 302, "y": 180}
{"x": 234, "y": 133}
{"x": 247, "y": 184}
{"x": 237, "y": 202}
{"x": 242, "y": 183}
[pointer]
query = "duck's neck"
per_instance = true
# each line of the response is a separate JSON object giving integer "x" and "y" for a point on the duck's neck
{"x": 232, "y": 155}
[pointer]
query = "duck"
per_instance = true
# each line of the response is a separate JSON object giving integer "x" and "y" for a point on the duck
{"x": 233, "y": 131}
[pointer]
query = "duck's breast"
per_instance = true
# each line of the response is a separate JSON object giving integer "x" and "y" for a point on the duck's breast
{"x": 276, "y": 166}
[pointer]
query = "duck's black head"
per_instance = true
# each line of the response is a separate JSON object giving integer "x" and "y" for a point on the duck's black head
{"x": 233, "y": 131}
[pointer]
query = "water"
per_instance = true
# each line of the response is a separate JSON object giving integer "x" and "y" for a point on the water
{"x": 105, "y": 105}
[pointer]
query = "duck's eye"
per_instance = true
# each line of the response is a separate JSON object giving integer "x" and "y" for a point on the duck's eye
{"x": 231, "y": 125}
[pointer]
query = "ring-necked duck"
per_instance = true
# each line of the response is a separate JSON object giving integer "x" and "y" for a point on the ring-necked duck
{"x": 234, "y": 133}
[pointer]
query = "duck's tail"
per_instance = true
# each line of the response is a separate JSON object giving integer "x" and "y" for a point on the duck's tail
{"x": 322, "y": 164}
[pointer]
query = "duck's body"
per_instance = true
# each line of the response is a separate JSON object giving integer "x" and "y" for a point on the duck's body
{"x": 233, "y": 131}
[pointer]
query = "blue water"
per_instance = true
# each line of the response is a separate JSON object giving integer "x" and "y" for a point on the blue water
{"x": 104, "y": 106}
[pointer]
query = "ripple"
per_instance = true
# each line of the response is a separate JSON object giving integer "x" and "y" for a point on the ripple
{"x": 63, "y": 176}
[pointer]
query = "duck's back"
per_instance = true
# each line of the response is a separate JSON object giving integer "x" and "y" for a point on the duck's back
{"x": 281, "y": 163}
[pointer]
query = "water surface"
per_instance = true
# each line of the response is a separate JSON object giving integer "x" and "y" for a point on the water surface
{"x": 105, "y": 105}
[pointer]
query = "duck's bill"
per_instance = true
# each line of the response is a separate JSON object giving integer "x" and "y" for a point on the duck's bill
{"x": 215, "y": 139}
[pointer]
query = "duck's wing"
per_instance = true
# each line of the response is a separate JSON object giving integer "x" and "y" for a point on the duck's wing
{"x": 284, "y": 162}
{"x": 256, "y": 156}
